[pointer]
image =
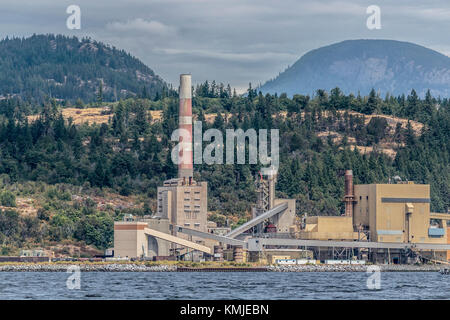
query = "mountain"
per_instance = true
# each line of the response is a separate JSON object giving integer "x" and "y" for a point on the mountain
{"x": 68, "y": 68}
{"x": 388, "y": 66}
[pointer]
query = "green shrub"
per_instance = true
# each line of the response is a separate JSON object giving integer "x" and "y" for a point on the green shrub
{"x": 43, "y": 214}
{"x": 54, "y": 193}
{"x": 7, "y": 199}
{"x": 96, "y": 229}
{"x": 5, "y": 251}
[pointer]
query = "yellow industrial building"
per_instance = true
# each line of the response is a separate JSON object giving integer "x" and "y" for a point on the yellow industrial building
{"x": 384, "y": 213}
{"x": 328, "y": 228}
{"x": 398, "y": 213}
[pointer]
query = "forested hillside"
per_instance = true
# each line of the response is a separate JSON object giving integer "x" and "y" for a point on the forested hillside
{"x": 61, "y": 166}
{"x": 69, "y": 69}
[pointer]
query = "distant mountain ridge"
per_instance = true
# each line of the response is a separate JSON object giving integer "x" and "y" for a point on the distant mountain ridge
{"x": 388, "y": 66}
{"x": 69, "y": 68}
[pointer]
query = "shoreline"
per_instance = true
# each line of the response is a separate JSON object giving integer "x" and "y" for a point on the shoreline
{"x": 133, "y": 267}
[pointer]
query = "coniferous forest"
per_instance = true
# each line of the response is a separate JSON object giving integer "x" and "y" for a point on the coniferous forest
{"x": 70, "y": 70}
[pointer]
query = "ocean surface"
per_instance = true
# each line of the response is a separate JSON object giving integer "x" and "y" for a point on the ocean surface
{"x": 222, "y": 285}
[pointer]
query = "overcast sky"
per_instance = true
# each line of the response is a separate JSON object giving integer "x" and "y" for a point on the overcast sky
{"x": 230, "y": 41}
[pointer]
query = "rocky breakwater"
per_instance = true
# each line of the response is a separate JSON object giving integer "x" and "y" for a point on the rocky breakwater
{"x": 353, "y": 268}
{"x": 317, "y": 268}
{"x": 114, "y": 267}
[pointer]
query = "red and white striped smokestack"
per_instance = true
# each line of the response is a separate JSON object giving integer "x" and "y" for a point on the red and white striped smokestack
{"x": 185, "y": 167}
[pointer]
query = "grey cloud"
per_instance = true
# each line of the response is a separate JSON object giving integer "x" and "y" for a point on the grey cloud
{"x": 230, "y": 56}
{"x": 141, "y": 25}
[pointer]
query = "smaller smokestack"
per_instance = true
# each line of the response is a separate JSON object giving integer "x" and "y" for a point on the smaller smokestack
{"x": 349, "y": 193}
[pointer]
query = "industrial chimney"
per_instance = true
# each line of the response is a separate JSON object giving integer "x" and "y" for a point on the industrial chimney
{"x": 349, "y": 197}
{"x": 185, "y": 167}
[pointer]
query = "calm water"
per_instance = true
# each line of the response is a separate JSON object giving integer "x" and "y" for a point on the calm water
{"x": 228, "y": 285}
